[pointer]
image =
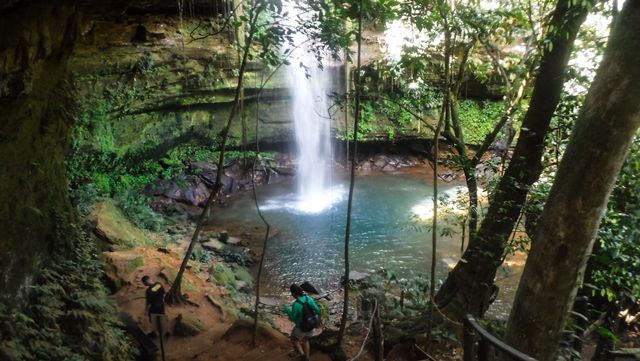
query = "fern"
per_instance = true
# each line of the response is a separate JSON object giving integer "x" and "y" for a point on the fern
{"x": 68, "y": 316}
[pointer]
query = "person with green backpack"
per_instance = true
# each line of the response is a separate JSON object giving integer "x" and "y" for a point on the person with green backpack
{"x": 305, "y": 314}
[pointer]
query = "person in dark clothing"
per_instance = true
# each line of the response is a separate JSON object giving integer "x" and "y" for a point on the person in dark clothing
{"x": 300, "y": 336}
{"x": 154, "y": 308}
{"x": 155, "y": 297}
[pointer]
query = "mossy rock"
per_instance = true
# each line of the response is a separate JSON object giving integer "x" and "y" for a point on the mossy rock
{"x": 110, "y": 225}
{"x": 223, "y": 276}
{"x": 133, "y": 264}
{"x": 169, "y": 274}
{"x": 241, "y": 274}
{"x": 118, "y": 266}
{"x": 188, "y": 325}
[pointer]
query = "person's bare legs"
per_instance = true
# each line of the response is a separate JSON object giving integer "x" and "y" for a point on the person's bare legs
{"x": 306, "y": 347}
{"x": 297, "y": 346}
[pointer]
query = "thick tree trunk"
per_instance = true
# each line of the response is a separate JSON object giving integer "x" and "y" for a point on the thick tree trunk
{"x": 469, "y": 287}
{"x": 565, "y": 233}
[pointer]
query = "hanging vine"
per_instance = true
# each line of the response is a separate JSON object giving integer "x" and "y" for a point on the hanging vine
{"x": 358, "y": 89}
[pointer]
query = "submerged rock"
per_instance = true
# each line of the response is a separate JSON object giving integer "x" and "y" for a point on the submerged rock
{"x": 269, "y": 301}
{"x": 358, "y": 276}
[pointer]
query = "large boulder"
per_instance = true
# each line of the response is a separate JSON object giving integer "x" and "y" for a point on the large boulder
{"x": 110, "y": 225}
{"x": 194, "y": 194}
{"x": 229, "y": 185}
{"x": 265, "y": 330}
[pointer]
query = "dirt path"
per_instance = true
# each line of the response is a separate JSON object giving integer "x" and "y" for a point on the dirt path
{"x": 223, "y": 338}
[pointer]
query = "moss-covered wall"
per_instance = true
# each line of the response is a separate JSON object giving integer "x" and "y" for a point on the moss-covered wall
{"x": 37, "y": 117}
{"x": 124, "y": 80}
{"x": 142, "y": 94}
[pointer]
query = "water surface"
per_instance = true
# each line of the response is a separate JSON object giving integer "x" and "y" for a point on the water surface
{"x": 385, "y": 231}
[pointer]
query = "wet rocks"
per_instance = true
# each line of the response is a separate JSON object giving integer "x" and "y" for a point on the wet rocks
{"x": 357, "y": 276}
{"x": 388, "y": 163}
{"x": 208, "y": 172}
{"x": 269, "y": 301}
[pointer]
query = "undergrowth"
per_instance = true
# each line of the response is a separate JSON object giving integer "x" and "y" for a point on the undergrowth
{"x": 95, "y": 175}
{"x": 68, "y": 315}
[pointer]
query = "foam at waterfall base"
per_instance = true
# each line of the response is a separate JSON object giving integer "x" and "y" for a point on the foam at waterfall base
{"x": 309, "y": 203}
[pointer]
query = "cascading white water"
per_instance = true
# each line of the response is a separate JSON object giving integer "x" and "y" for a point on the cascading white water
{"x": 310, "y": 86}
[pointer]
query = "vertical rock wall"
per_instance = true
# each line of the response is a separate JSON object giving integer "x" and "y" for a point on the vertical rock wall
{"x": 36, "y": 116}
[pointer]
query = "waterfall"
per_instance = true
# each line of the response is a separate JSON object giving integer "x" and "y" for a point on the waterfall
{"x": 309, "y": 87}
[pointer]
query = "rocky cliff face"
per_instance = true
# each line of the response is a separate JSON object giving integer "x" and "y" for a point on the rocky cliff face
{"x": 152, "y": 80}
{"x": 116, "y": 79}
{"x": 35, "y": 42}
{"x": 127, "y": 80}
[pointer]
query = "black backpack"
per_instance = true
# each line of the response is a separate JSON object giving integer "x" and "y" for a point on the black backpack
{"x": 310, "y": 319}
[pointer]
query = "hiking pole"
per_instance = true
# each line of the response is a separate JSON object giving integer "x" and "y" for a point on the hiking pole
{"x": 159, "y": 320}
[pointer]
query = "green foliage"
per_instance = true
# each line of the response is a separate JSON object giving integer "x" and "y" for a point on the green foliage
{"x": 68, "y": 316}
{"x": 535, "y": 203}
{"x": 135, "y": 206}
{"x": 617, "y": 261}
{"x": 478, "y": 118}
{"x": 145, "y": 66}
{"x": 401, "y": 301}
{"x": 386, "y": 118}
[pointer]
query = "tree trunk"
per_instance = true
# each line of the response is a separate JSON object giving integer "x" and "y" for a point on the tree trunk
{"x": 444, "y": 115}
{"x": 569, "y": 223}
{"x": 174, "y": 296}
{"x": 468, "y": 167}
{"x": 352, "y": 179}
{"x": 469, "y": 287}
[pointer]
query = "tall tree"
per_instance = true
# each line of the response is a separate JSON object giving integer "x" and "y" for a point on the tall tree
{"x": 352, "y": 178}
{"x": 175, "y": 293}
{"x": 470, "y": 285}
{"x": 566, "y": 231}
